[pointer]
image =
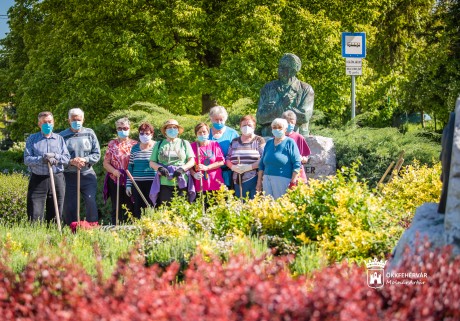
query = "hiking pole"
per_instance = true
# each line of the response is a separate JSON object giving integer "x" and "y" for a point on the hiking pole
{"x": 201, "y": 180}
{"x": 239, "y": 178}
{"x": 137, "y": 188}
{"x": 53, "y": 191}
{"x": 118, "y": 200}
{"x": 78, "y": 194}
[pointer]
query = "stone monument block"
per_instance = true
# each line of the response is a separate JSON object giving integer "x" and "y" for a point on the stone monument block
{"x": 322, "y": 161}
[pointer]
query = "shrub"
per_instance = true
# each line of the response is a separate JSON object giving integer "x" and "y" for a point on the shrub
{"x": 13, "y": 197}
{"x": 376, "y": 148}
{"x": 12, "y": 160}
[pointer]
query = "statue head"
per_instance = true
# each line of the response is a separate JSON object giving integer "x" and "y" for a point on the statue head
{"x": 288, "y": 67}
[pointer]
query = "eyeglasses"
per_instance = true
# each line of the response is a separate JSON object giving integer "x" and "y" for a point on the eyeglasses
{"x": 172, "y": 126}
{"x": 122, "y": 128}
{"x": 145, "y": 133}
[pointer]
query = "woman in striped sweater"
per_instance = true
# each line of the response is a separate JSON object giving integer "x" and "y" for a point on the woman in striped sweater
{"x": 243, "y": 158}
{"x": 139, "y": 167}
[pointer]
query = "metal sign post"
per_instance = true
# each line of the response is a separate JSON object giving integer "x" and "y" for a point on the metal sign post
{"x": 353, "y": 49}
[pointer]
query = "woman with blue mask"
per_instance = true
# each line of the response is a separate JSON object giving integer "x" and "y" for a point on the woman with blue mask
{"x": 300, "y": 141}
{"x": 209, "y": 158}
{"x": 116, "y": 161}
{"x": 223, "y": 135}
{"x": 139, "y": 167}
{"x": 280, "y": 163}
{"x": 172, "y": 158}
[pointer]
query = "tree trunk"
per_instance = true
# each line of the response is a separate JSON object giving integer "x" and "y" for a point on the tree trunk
{"x": 207, "y": 102}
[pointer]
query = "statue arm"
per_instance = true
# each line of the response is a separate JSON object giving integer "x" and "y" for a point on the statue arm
{"x": 270, "y": 106}
{"x": 304, "y": 109}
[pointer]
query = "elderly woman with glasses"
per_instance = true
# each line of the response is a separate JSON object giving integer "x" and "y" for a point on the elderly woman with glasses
{"x": 116, "y": 161}
{"x": 172, "y": 158}
{"x": 223, "y": 135}
{"x": 280, "y": 163}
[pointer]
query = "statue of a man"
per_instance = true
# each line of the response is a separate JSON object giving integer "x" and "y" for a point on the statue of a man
{"x": 286, "y": 93}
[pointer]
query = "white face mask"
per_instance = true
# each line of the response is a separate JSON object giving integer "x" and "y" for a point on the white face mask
{"x": 145, "y": 138}
{"x": 247, "y": 130}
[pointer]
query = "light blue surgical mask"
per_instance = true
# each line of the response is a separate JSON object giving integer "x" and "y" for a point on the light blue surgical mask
{"x": 202, "y": 138}
{"x": 123, "y": 133}
{"x": 47, "y": 128}
{"x": 76, "y": 124}
{"x": 172, "y": 132}
{"x": 218, "y": 126}
{"x": 278, "y": 133}
{"x": 290, "y": 128}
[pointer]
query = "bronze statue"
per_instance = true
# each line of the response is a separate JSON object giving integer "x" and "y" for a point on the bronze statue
{"x": 286, "y": 93}
{"x": 446, "y": 155}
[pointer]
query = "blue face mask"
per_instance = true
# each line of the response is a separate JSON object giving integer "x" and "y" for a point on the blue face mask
{"x": 172, "y": 132}
{"x": 47, "y": 128}
{"x": 290, "y": 128}
{"x": 218, "y": 126}
{"x": 202, "y": 138}
{"x": 123, "y": 133}
{"x": 278, "y": 133}
{"x": 76, "y": 124}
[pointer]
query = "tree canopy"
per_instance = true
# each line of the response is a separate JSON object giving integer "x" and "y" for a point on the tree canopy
{"x": 185, "y": 55}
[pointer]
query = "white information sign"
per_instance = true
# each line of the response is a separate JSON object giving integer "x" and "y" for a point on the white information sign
{"x": 353, "y": 66}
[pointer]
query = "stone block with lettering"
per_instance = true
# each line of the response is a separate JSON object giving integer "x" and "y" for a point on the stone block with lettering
{"x": 322, "y": 161}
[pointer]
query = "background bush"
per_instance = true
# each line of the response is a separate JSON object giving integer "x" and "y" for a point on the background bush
{"x": 13, "y": 197}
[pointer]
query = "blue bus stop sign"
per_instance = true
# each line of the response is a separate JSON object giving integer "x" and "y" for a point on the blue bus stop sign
{"x": 354, "y": 44}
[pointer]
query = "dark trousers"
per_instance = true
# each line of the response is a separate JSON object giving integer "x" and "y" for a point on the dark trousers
{"x": 123, "y": 200}
{"x": 139, "y": 203}
{"x": 39, "y": 195}
{"x": 167, "y": 193}
{"x": 88, "y": 190}
{"x": 248, "y": 188}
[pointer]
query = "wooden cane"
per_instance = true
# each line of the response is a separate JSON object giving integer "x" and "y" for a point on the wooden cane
{"x": 201, "y": 178}
{"x": 53, "y": 191}
{"x": 386, "y": 173}
{"x": 78, "y": 194}
{"x": 118, "y": 200}
{"x": 137, "y": 188}
{"x": 239, "y": 178}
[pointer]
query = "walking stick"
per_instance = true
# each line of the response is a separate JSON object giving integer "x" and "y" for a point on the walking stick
{"x": 53, "y": 191}
{"x": 137, "y": 188}
{"x": 239, "y": 178}
{"x": 78, "y": 194}
{"x": 118, "y": 200}
{"x": 201, "y": 179}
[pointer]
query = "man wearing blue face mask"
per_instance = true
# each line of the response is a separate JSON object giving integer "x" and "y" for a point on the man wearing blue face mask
{"x": 84, "y": 150}
{"x": 42, "y": 148}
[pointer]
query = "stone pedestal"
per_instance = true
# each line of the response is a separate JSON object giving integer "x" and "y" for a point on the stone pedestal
{"x": 322, "y": 161}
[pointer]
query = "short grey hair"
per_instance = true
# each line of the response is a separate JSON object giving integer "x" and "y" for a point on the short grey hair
{"x": 289, "y": 115}
{"x": 122, "y": 121}
{"x": 45, "y": 114}
{"x": 292, "y": 61}
{"x": 280, "y": 122}
{"x": 76, "y": 112}
{"x": 218, "y": 111}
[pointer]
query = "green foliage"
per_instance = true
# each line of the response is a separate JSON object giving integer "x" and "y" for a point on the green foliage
{"x": 12, "y": 160}
{"x": 375, "y": 149}
{"x": 13, "y": 197}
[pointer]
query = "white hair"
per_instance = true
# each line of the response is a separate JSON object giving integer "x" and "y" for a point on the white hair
{"x": 289, "y": 115}
{"x": 280, "y": 122}
{"x": 76, "y": 112}
{"x": 218, "y": 111}
{"x": 122, "y": 121}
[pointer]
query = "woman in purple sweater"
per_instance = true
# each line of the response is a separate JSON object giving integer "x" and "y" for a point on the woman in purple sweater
{"x": 280, "y": 163}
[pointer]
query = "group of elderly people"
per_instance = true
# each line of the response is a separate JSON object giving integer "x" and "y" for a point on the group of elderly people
{"x": 150, "y": 173}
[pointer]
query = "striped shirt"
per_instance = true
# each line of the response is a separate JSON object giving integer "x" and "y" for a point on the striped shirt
{"x": 139, "y": 165}
{"x": 38, "y": 145}
{"x": 245, "y": 153}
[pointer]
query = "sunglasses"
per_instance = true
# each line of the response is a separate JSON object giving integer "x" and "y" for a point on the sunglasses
{"x": 122, "y": 128}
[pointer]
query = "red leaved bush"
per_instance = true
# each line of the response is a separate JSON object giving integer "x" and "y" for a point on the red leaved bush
{"x": 53, "y": 289}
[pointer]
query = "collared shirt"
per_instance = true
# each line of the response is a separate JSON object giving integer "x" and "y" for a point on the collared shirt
{"x": 38, "y": 145}
{"x": 83, "y": 143}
